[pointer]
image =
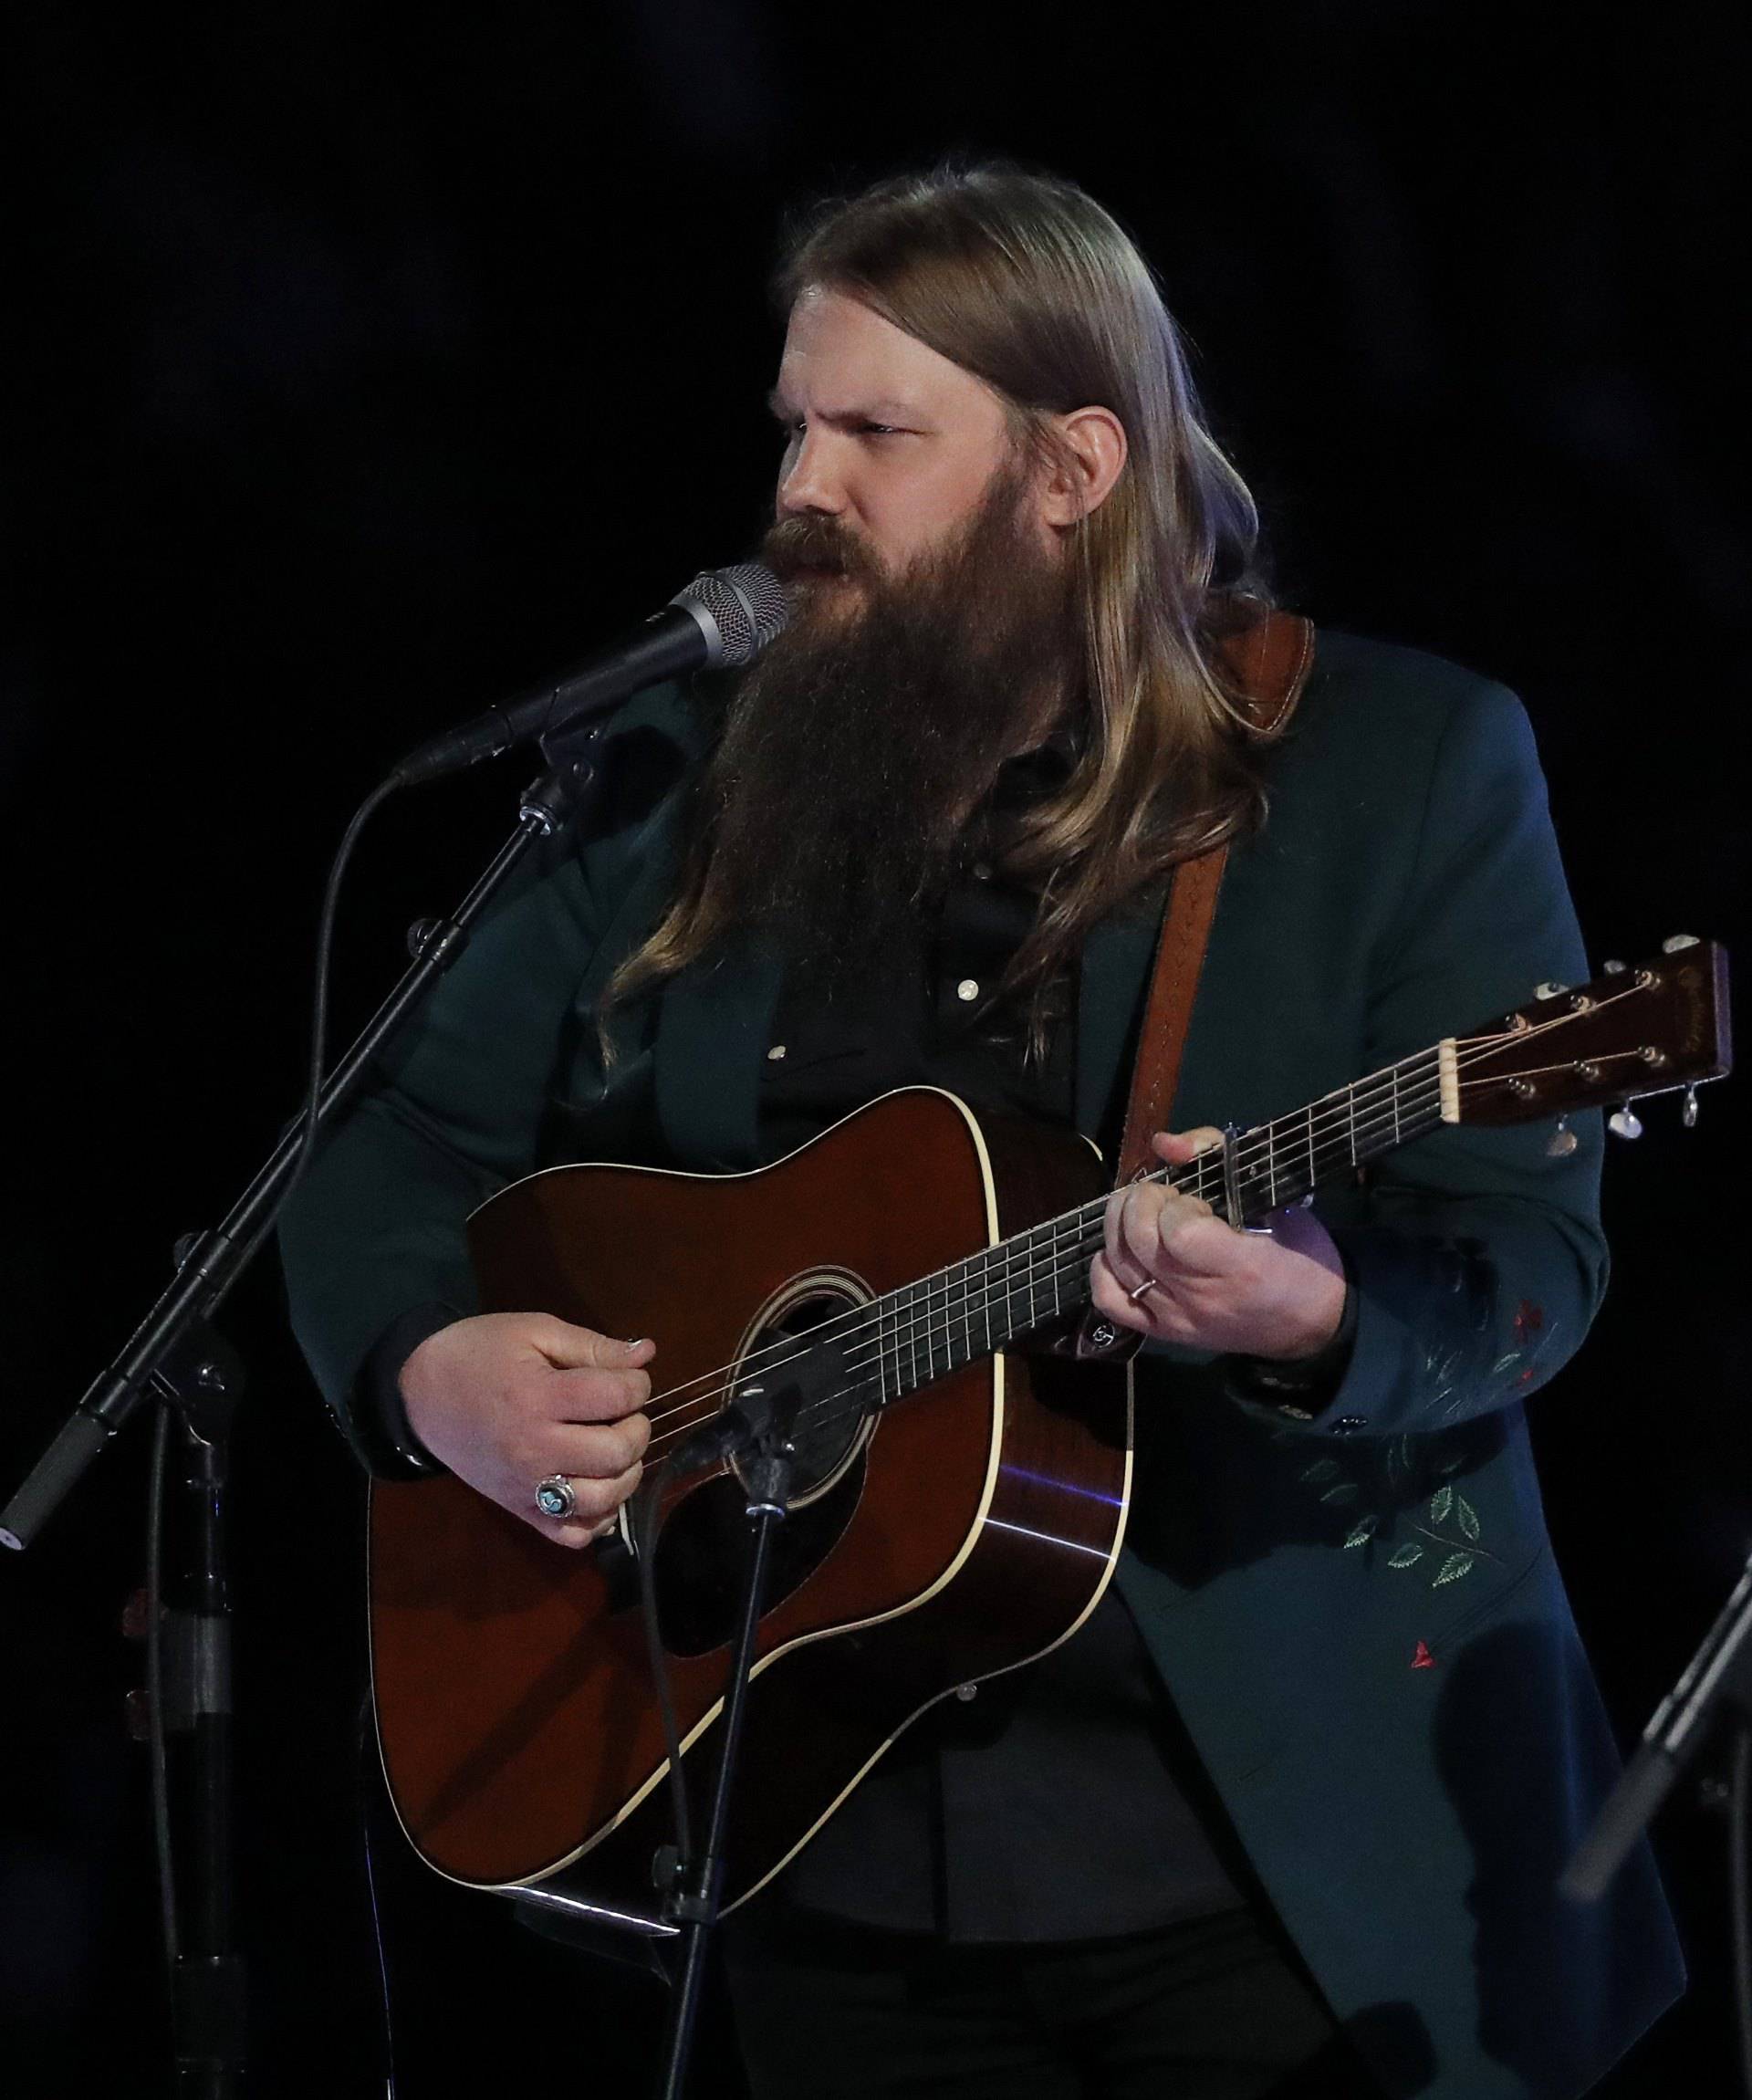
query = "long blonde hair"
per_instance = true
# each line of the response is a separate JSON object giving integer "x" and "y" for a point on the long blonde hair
{"x": 1024, "y": 281}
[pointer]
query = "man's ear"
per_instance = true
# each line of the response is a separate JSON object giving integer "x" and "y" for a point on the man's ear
{"x": 1088, "y": 455}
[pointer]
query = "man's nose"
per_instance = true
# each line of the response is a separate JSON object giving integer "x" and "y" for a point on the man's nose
{"x": 810, "y": 482}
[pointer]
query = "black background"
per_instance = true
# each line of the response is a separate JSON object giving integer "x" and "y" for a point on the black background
{"x": 362, "y": 370}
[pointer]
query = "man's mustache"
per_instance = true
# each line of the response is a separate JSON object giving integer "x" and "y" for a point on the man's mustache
{"x": 814, "y": 543}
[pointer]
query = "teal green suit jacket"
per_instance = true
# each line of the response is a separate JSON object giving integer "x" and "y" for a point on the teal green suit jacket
{"x": 1358, "y": 1616}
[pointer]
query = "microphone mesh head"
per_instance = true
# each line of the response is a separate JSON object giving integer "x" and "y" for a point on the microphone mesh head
{"x": 747, "y": 604}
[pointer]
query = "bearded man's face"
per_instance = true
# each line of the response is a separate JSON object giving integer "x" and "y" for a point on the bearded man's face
{"x": 932, "y": 627}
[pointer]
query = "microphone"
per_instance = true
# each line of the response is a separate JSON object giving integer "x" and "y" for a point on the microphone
{"x": 723, "y": 619}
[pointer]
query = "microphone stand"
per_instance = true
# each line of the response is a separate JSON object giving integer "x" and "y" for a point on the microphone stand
{"x": 1717, "y": 1682}
{"x": 176, "y": 1354}
{"x": 1718, "y": 1677}
{"x": 769, "y": 1456}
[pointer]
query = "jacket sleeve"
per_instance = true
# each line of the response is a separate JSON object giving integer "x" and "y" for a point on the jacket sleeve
{"x": 373, "y": 1242}
{"x": 1476, "y": 1255}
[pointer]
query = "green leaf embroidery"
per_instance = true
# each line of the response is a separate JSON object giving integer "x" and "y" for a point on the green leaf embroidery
{"x": 1362, "y": 1531}
{"x": 1453, "y": 1462}
{"x": 1505, "y": 1363}
{"x": 1406, "y": 1557}
{"x": 1441, "y": 1502}
{"x": 1453, "y": 1568}
{"x": 1468, "y": 1517}
{"x": 1321, "y": 1470}
{"x": 1346, "y": 1491}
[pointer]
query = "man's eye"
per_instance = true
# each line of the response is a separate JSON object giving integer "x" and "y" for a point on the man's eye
{"x": 878, "y": 429}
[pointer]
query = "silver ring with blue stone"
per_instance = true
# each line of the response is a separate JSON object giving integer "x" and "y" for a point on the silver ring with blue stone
{"x": 555, "y": 1496}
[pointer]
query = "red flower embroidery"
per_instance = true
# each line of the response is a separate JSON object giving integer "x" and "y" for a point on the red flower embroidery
{"x": 1422, "y": 1660}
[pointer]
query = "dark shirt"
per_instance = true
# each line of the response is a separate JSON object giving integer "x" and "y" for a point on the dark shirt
{"x": 1056, "y": 1804}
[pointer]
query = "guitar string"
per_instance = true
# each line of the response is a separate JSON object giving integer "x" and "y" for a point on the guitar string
{"x": 1303, "y": 1141}
{"x": 1086, "y": 1239}
{"x": 1203, "y": 1165}
{"x": 1060, "y": 1267}
{"x": 1346, "y": 1100}
{"x": 932, "y": 1322}
{"x": 929, "y": 1297}
{"x": 1073, "y": 1244}
{"x": 1079, "y": 1254}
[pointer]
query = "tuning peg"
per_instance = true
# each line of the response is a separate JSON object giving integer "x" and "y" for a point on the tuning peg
{"x": 1548, "y": 991}
{"x": 1614, "y": 969}
{"x": 1562, "y": 1141}
{"x": 1626, "y": 1123}
{"x": 1689, "y": 1117}
{"x": 1674, "y": 942}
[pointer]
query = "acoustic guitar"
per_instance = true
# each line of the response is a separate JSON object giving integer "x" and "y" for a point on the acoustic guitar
{"x": 917, "y": 1282}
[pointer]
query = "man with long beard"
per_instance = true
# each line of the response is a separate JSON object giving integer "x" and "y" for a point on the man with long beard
{"x": 1283, "y": 1815}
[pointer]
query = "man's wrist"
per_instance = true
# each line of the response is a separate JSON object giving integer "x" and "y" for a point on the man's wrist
{"x": 393, "y": 1445}
{"x": 1302, "y": 1385}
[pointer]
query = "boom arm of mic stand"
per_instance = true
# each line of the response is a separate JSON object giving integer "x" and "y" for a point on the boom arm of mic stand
{"x": 213, "y": 1263}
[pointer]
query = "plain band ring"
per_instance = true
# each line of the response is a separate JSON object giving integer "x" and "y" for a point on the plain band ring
{"x": 556, "y": 1496}
{"x": 1143, "y": 1290}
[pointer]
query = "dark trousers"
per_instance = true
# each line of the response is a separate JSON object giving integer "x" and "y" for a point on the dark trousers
{"x": 1216, "y": 2009}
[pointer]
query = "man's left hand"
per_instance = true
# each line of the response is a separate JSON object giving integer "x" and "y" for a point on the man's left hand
{"x": 1174, "y": 1271}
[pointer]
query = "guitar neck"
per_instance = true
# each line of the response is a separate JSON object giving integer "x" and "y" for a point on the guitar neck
{"x": 959, "y": 1314}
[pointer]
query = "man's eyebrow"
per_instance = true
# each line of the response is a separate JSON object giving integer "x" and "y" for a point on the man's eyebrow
{"x": 882, "y": 411}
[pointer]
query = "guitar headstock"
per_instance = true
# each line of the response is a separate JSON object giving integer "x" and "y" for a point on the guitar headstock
{"x": 1632, "y": 1032}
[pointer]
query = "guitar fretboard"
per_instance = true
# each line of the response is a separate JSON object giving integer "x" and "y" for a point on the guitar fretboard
{"x": 964, "y": 1312}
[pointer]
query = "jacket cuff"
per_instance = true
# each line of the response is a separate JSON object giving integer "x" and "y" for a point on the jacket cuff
{"x": 1302, "y": 1388}
{"x": 378, "y": 1425}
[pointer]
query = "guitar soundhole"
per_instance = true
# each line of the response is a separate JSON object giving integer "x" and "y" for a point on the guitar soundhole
{"x": 704, "y": 1544}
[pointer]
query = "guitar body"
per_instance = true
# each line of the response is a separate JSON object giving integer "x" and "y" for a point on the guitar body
{"x": 959, "y": 1532}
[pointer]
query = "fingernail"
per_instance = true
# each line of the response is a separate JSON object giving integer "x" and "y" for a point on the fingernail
{"x": 636, "y": 1340}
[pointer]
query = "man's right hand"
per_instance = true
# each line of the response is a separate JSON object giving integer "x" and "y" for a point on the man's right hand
{"x": 506, "y": 1398}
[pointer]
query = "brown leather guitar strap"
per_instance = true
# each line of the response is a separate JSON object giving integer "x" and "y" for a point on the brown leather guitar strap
{"x": 1270, "y": 659}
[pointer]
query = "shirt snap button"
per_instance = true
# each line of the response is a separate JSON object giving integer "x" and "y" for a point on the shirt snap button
{"x": 965, "y": 1692}
{"x": 777, "y": 1053}
{"x": 968, "y": 989}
